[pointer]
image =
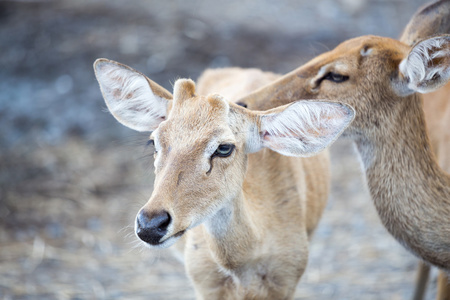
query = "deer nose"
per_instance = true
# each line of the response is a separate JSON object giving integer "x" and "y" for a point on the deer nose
{"x": 151, "y": 228}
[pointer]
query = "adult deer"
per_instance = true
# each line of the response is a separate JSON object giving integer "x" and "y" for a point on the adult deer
{"x": 381, "y": 78}
{"x": 246, "y": 211}
{"x": 430, "y": 20}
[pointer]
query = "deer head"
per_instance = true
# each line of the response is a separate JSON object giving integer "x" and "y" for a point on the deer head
{"x": 202, "y": 144}
{"x": 375, "y": 75}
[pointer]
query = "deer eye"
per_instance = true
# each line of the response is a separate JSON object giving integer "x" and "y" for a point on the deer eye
{"x": 151, "y": 144}
{"x": 335, "y": 77}
{"x": 224, "y": 150}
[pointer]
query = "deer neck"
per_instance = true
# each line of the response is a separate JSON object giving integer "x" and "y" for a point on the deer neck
{"x": 230, "y": 235}
{"x": 410, "y": 192}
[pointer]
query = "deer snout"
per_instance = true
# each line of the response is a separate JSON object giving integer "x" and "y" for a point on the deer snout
{"x": 152, "y": 227}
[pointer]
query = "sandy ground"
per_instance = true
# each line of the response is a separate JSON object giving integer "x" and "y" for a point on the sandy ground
{"x": 72, "y": 180}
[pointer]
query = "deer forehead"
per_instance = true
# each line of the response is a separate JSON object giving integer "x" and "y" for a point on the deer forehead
{"x": 199, "y": 124}
{"x": 351, "y": 54}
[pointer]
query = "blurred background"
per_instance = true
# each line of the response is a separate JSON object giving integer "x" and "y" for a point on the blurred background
{"x": 72, "y": 178}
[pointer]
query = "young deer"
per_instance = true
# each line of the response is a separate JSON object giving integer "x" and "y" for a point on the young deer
{"x": 430, "y": 20}
{"x": 246, "y": 211}
{"x": 381, "y": 77}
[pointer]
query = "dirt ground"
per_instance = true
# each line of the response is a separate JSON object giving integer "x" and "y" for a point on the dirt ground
{"x": 72, "y": 179}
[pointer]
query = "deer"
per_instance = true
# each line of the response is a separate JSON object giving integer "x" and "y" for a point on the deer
{"x": 383, "y": 79}
{"x": 429, "y": 20}
{"x": 239, "y": 192}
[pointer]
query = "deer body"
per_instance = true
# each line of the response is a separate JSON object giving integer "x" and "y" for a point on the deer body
{"x": 436, "y": 107}
{"x": 261, "y": 259}
{"x": 380, "y": 78}
{"x": 411, "y": 195}
{"x": 283, "y": 190}
{"x": 430, "y": 20}
{"x": 245, "y": 211}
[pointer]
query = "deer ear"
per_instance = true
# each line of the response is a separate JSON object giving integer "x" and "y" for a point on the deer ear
{"x": 427, "y": 66}
{"x": 430, "y": 20}
{"x": 132, "y": 98}
{"x": 304, "y": 128}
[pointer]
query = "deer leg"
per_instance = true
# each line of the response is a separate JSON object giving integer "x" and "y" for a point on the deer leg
{"x": 423, "y": 272}
{"x": 443, "y": 287}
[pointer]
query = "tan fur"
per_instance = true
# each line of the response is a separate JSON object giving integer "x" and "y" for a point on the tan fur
{"x": 437, "y": 114}
{"x": 263, "y": 259}
{"x": 184, "y": 90}
{"x": 280, "y": 204}
{"x": 235, "y": 82}
{"x": 242, "y": 81}
{"x": 410, "y": 192}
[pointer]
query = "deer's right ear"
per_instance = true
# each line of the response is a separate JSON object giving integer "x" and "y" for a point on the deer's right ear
{"x": 132, "y": 98}
{"x": 427, "y": 66}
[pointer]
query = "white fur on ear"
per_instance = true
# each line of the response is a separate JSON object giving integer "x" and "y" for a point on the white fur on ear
{"x": 427, "y": 66}
{"x": 304, "y": 128}
{"x": 129, "y": 97}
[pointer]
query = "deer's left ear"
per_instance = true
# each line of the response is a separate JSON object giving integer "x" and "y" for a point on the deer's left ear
{"x": 427, "y": 66}
{"x": 133, "y": 99}
{"x": 303, "y": 128}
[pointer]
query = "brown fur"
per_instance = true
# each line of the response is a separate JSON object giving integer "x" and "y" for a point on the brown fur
{"x": 436, "y": 107}
{"x": 411, "y": 193}
{"x": 432, "y": 19}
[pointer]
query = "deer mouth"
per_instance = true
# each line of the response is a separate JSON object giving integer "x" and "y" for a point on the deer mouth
{"x": 168, "y": 241}
{"x": 179, "y": 233}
